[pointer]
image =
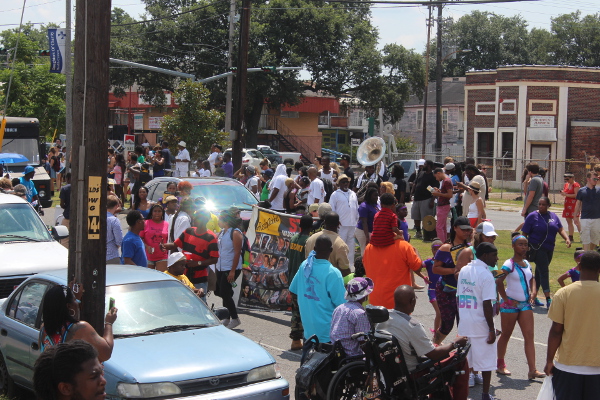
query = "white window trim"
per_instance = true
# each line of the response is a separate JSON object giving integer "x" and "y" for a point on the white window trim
{"x": 535, "y": 101}
{"x": 511, "y": 101}
{"x": 289, "y": 114}
{"x": 445, "y": 126}
{"x": 476, "y": 132}
{"x": 419, "y": 120}
{"x": 485, "y": 103}
{"x": 499, "y": 145}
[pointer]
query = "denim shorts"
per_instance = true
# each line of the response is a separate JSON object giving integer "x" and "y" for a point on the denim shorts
{"x": 515, "y": 308}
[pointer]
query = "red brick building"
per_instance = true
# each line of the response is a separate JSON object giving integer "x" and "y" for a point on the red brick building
{"x": 544, "y": 113}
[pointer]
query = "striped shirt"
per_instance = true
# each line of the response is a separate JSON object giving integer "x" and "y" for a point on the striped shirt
{"x": 383, "y": 224}
{"x": 114, "y": 236}
{"x": 200, "y": 247}
{"x": 348, "y": 319}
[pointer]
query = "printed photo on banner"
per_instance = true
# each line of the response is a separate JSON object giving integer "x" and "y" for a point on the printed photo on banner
{"x": 265, "y": 280}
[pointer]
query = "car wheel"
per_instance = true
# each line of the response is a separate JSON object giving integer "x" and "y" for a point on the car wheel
{"x": 7, "y": 384}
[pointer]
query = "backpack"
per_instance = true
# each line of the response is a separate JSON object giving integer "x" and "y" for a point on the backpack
{"x": 245, "y": 247}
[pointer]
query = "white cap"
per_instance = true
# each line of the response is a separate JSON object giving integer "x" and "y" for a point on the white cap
{"x": 486, "y": 228}
{"x": 182, "y": 144}
{"x": 174, "y": 257}
{"x": 421, "y": 162}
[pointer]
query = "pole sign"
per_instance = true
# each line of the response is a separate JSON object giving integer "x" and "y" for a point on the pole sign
{"x": 94, "y": 191}
{"x": 355, "y": 142}
{"x": 128, "y": 143}
{"x": 56, "y": 41}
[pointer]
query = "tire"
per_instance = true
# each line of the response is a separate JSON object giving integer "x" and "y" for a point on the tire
{"x": 7, "y": 384}
{"x": 289, "y": 161}
{"x": 348, "y": 383}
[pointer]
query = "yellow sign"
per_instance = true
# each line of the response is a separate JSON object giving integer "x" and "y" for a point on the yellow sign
{"x": 268, "y": 223}
{"x": 2, "y": 128}
{"x": 94, "y": 192}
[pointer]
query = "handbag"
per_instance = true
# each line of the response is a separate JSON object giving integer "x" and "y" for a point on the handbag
{"x": 547, "y": 390}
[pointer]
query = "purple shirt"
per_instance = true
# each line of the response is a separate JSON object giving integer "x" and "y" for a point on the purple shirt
{"x": 368, "y": 211}
{"x": 574, "y": 274}
{"x": 433, "y": 278}
{"x": 348, "y": 319}
{"x": 541, "y": 229}
{"x": 403, "y": 226}
{"x": 228, "y": 168}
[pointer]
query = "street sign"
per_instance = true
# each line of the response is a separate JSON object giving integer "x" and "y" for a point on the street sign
{"x": 355, "y": 142}
{"x": 129, "y": 143}
{"x": 94, "y": 192}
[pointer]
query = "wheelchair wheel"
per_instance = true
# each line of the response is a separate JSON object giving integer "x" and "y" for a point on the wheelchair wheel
{"x": 348, "y": 383}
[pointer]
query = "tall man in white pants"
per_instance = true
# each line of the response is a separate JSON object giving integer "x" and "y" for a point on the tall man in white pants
{"x": 344, "y": 202}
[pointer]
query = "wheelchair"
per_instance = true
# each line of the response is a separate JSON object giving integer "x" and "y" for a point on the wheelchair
{"x": 319, "y": 364}
{"x": 383, "y": 374}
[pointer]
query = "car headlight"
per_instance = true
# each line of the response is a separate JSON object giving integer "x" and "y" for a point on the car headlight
{"x": 42, "y": 194}
{"x": 264, "y": 373}
{"x": 147, "y": 390}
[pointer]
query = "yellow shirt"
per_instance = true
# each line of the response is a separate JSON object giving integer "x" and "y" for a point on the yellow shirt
{"x": 183, "y": 279}
{"x": 213, "y": 224}
{"x": 575, "y": 306}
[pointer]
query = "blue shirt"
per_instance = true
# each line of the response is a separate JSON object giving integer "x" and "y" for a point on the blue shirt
{"x": 368, "y": 211}
{"x": 133, "y": 247}
{"x": 114, "y": 236}
{"x": 31, "y": 190}
{"x": 541, "y": 229}
{"x": 318, "y": 296}
{"x": 590, "y": 202}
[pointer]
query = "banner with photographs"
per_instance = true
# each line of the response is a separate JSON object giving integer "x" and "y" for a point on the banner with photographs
{"x": 265, "y": 280}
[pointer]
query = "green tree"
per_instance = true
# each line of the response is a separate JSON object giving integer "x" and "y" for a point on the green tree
{"x": 34, "y": 92}
{"x": 577, "y": 39}
{"x": 193, "y": 122}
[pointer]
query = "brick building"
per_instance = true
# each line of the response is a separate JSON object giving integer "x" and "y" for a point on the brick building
{"x": 548, "y": 114}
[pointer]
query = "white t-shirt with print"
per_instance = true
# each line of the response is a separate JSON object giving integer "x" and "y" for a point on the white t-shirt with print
{"x": 476, "y": 284}
{"x": 517, "y": 281}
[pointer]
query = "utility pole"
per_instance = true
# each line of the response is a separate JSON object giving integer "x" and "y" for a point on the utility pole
{"x": 425, "y": 95}
{"x": 69, "y": 86}
{"x": 438, "y": 85}
{"x": 241, "y": 83}
{"x": 229, "y": 98}
{"x": 87, "y": 250}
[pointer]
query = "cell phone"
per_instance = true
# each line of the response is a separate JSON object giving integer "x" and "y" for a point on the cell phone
{"x": 233, "y": 284}
{"x": 111, "y": 303}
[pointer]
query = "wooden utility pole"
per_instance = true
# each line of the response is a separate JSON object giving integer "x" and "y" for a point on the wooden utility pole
{"x": 87, "y": 247}
{"x": 241, "y": 83}
{"x": 424, "y": 135}
{"x": 438, "y": 86}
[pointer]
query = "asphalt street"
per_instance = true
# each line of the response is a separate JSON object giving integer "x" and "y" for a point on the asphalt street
{"x": 271, "y": 330}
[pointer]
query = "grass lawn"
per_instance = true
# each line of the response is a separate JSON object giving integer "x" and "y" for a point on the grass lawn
{"x": 561, "y": 261}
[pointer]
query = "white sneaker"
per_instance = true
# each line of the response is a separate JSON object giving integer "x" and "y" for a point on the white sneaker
{"x": 225, "y": 322}
{"x": 234, "y": 323}
{"x": 471, "y": 380}
{"x": 478, "y": 379}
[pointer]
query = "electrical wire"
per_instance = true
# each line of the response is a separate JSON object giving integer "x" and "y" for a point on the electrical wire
{"x": 33, "y": 5}
{"x": 171, "y": 16}
{"x": 12, "y": 67}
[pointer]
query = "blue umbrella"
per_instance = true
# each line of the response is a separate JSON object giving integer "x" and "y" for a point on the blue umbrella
{"x": 12, "y": 158}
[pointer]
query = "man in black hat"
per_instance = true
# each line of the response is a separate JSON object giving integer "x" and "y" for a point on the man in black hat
{"x": 345, "y": 163}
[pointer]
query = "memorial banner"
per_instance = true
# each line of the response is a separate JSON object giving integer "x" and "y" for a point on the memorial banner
{"x": 265, "y": 282}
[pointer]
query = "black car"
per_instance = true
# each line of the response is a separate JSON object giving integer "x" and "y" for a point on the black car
{"x": 272, "y": 155}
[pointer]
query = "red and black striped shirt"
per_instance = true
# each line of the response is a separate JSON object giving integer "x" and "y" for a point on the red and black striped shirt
{"x": 383, "y": 223}
{"x": 200, "y": 248}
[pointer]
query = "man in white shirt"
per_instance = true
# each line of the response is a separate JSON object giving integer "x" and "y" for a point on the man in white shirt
{"x": 182, "y": 161}
{"x": 344, "y": 202}
{"x": 316, "y": 191}
{"x": 277, "y": 188}
{"x": 214, "y": 156}
{"x": 476, "y": 290}
{"x": 181, "y": 220}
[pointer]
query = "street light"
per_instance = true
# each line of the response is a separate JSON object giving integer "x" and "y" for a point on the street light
{"x": 457, "y": 52}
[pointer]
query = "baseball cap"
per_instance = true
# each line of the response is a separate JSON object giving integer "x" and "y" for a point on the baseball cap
{"x": 462, "y": 223}
{"x": 251, "y": 169}
{"x": 358, "y": 288}
{"x": 268, "y": 173}
{"x": 324, "y": 209}
{"x": 313, "y": 207}
{"x": 28, "y": 169}
{"x": 346, "y": 157}
{"x": 486, "y": 228}
{"x": 421, "y": 162}
{"x": 174, "y": 257}
{"x": 449, "y": 167}
{"x": 182, "y": 144}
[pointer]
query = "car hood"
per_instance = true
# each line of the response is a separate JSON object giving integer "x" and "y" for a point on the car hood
{"x": 26, "y": 258}
{"x": 184, "y": 355}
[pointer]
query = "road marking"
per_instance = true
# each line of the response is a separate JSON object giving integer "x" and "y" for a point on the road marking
{"x": 278, "y": 349}
{"x": 522, "y": 340}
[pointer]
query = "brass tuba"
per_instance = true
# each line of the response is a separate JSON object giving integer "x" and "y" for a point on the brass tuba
{"x": 370, "y": 152}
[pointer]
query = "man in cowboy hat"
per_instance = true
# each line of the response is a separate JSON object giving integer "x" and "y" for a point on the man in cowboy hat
{"x": 350, "y": 318}
{"x": 182, "y": 161}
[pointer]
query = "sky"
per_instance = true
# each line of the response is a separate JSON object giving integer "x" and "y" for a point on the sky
{"x": 397, "y": 24}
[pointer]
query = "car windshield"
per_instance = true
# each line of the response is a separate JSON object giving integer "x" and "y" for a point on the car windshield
{"x": 406, "y": 166}
{"x": 157, "y": 306}
{"x": 267, "y": 151}
{"x": 20, "y": 222}
{"x": 221, "y": 196}
{"x": 24, "y": 146}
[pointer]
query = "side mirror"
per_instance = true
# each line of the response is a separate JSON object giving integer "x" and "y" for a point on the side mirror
{"x": 221, "y": 313}
{"x": 59, "y": 232}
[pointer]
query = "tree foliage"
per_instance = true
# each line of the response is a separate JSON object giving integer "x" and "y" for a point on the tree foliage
{"x": 34, "y": 92}
{"x": 334, "y": 42}
{"x": 193, "y": 121}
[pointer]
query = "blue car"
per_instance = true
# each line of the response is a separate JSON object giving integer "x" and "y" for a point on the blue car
{"x": 168, "y": 344}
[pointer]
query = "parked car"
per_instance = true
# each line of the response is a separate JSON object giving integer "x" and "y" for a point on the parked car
{"x": 272, "y": 155}
{"x": 168, "y": 343}
{"x": 250, "y": 156}
{"x": 290, "y": 155}
{"x": 220, "y": 193}
{"x": 27, "y": 245}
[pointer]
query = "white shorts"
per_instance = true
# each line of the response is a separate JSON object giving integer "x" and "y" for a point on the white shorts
{"x": 590, "y": 230}
{"x": 482, "y": 356}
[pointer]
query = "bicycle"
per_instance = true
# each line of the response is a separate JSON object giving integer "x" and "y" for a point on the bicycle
{"x": 383, "y": 372}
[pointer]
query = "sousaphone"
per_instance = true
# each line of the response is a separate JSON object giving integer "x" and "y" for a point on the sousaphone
{"x": 370, "y": 152}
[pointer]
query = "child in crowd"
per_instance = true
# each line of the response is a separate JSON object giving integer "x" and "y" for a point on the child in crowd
{"x": 385, "y": 223}
{"x": 573, "y": 273}
{"x": 402, "y": 212}
{"x": 432, "y": 280}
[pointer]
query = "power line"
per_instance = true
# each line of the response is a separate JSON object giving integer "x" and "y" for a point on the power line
{"x": 34, "y": 5}
{"x": 171, "y": 16}
{"x": 427, "y": 3}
